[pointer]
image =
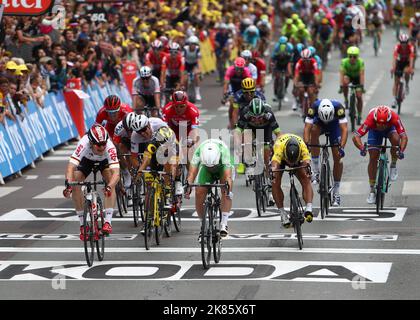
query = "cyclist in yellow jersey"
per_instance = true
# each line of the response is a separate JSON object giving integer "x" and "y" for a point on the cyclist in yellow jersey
{"x": 290, "y": 149}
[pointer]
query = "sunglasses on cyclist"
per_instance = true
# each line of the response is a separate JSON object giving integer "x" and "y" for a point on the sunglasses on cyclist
{"x": 101, "y": 144}
{"x": 142, "y": 130}
{"x": 180, "y": 106}
{"x": 113, "y": 111}
{"x": 352, "y": 56}
{"x": 256, "y": 118}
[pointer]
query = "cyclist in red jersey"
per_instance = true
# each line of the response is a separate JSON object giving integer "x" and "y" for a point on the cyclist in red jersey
{"x": 182, "y": 117}
{"x": 307, "y": 72}
{"x": 261, "y": 69}
{"x": 403, "y": 62}
{"x": 113, "y": 111}
{"x": 173, "y": 66}
{"x": 154, "y": 58}
{"x": 381, "y": 122}
{"x": 232, "y": 83}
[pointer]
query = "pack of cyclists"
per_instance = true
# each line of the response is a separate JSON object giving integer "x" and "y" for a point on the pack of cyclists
{"x": 154, "y": 130}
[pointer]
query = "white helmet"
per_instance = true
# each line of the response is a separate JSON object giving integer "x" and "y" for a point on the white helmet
{"x": 326, "y": 110}
{"x": 128, "y": 120}
{"x": 145, "y": 72}
{"x": 139, "y": 122}
{"x": 193, "y": 40}
{"x": 252, "y": 29}
{"x": 210, "y": 154}
{"x": 246, "y": 54}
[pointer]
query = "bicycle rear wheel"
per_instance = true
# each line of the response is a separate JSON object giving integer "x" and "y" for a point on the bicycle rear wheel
{"x": 167, "y": 221}
{"x": 159, "y": 228}
{"x": 217, "y": 241}
{"x": 352, "y": 111}
{"x": 400, "y": 96}
{"x": 100, "y": 243}
{"x": 206, "y": 237}
{"x": 118, "y": 192}
{"x": 89, "y": 240}
{"x": 136, "y": 204}
{"x": 323, "y": 191}
{"x": 379, "y": 184}
{"x": 295, "y": 216}
{"x": 176, "y": 217}
{"x": 148, "y": 223}
{"x": 375, "y": 43}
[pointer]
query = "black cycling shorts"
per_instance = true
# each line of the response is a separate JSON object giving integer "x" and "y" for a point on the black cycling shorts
{"x": 307, "y": 78}
{"x": 86, "y": 166}
{"x": 399, "y": 68}
{"x": 189, "y": 67}
{"x": 149, "y": 100}
{"x": 171, "y": 82}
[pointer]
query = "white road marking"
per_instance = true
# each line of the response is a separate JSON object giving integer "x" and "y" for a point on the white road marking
{"x": 31, "y": 177}
{"x": 286, "y": 113}
{"x": 65, "y": 152}
{"x": 4, "y": 191}
{"x": 292, "y": 249}
{"x": 274, "y": 270}
{"x": 57, "y": 177}
{"x": 411, "y": 187}
{"x": 223, "y": 108}
{"x": 56, "y": 158}
{"x": 354, "y": 187}
{"x": 308, "y": 236}
{"x": 56, "y": 237}
{"x": 53, "y": 193}
{"x": 373, "y": 88}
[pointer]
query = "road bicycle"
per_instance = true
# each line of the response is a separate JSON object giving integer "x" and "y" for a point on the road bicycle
{"x": 326, "y": 178}
{"x": 255, "y": 175}
{"x": 190, "y": 86}
{"x": 296, "y": 208}
{"x": 137, "y": 194}
{"x": 375, "y": 34}
{"x": 210, "y": 239}
{"x": 352, "y": 105}
{"x": 156, "y": 217}
{"x": 280, "y": 86}
{"x": 400, "y": 92}
{"x": 305, "y": 101}
{"x": 121, "y": 193}
{"x": 382, "y": 174}
{"x": 93, "y": 218}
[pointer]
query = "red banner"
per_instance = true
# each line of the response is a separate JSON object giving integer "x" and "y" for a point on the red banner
{"x": 75, "y": 104}
{"x": 129, "y": 73}
{"x": 26, "y": 7}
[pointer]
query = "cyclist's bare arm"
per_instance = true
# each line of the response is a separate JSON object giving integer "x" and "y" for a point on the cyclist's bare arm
{"x": 307, "y": 132}
{"x": 228, "y": 179}
{"x": 357, "y": 142}
{"x": 71, "y": 168}
{"x": 115, "y": 177}
{"x": 362, "y": 77}
{"x": 403, "y": 141}
{"x": 344, "y": 134}
{"x": 192, "y": 174}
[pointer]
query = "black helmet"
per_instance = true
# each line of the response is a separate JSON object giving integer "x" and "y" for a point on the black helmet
{"x": 292, "y": 150}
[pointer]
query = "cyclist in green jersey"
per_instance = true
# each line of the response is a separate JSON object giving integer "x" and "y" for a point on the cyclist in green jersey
{"x": 301, "y": 35}
{"x": 352, "y": 70}
{"x": 288, "y": 29}
{"x": 212, "y": 161}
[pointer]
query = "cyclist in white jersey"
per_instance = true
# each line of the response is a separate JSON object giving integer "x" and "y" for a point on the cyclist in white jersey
{"x": 94, "y": 147}
{"x": 147, "y": 88}
{"x": 192, "y": 57}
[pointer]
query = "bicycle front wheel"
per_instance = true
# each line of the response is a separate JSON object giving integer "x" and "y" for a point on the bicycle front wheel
{"x": 217, "y": 241}
{"x": 379, "y": 185}
{"x": 100, "y": 243}
{"x": 89, "y": 231}
{"x": 352, "y": 111}
{"x": 295, "y": 215}
{"x": 136, "y": 204}
{"x": 176, "y": 217}
{"x": 160, "y": 226}
{"x": 206, "y": 237}
{"x": 118, "y": 191}
{"x": 148, "y": 223}
{"x": 258, "y": 194}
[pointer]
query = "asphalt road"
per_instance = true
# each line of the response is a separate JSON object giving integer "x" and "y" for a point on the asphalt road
{"x": 353, "y": 254}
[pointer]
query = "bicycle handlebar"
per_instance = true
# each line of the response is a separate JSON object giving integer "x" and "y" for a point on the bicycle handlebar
{"x": 86, "y": 183}
{"x": 154, "y": 172}
{"x": 323, "y": 145}
{"x": 211, "y": 185}
{"x": 381, "y": 146}
{"x": 290, "y": 169}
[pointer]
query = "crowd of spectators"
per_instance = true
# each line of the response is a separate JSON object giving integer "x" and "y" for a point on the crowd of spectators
{"x": 39, "y": 54}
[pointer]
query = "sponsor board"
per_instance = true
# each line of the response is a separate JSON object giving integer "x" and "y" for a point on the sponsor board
{"x": 272, "y": 270}
{"x": 237, "y": 214}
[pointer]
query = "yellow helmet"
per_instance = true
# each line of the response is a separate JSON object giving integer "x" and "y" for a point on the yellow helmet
{"x": 248, "y": 84}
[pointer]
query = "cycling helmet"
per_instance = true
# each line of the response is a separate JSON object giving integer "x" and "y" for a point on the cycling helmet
{"x": 112, "y": 103}
{"x": 324, "y": 21}
{"x": 210, "y": 154}
{"x": 193, "y": 40}
{"x": 295, "y": 16}
{"x": 247, "y": 21}
{"x": 300, "y": 47}
{"x": 354, "y": 51}
{"x": 164, "y": 40}
{"x": 174, "y": 47}
{"x": 145, "y": 72}
{"x": 98, "y": 135}
{"x": 312, "y": 50}
{"x": 289, "y": 21}
{"x": 157, "y": 44}
{"x": 140, "y": 122}
{"x": 348, "y": 18}
{"x": 223, "y": 26}
{"x": 403, "y": 38}
{"x": 292, "y": 150}
{"x": 248, "y": 84}
{"x": 283, "y": 40}
{"x": 239, "y": 62}
{"x": 305, "y": 54}
{"x": 246, "y": 54}
{"x": 179, "y": 97}
{"x": 252, "y": 29}
{"x": 128, "y": 121}
{"x": 382, "y": 114}
{"x": 301, "y": 26}
{"x": 326, "y": 110}
{"x": 257, "y": 106}
{"x": 164, "y": 135}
